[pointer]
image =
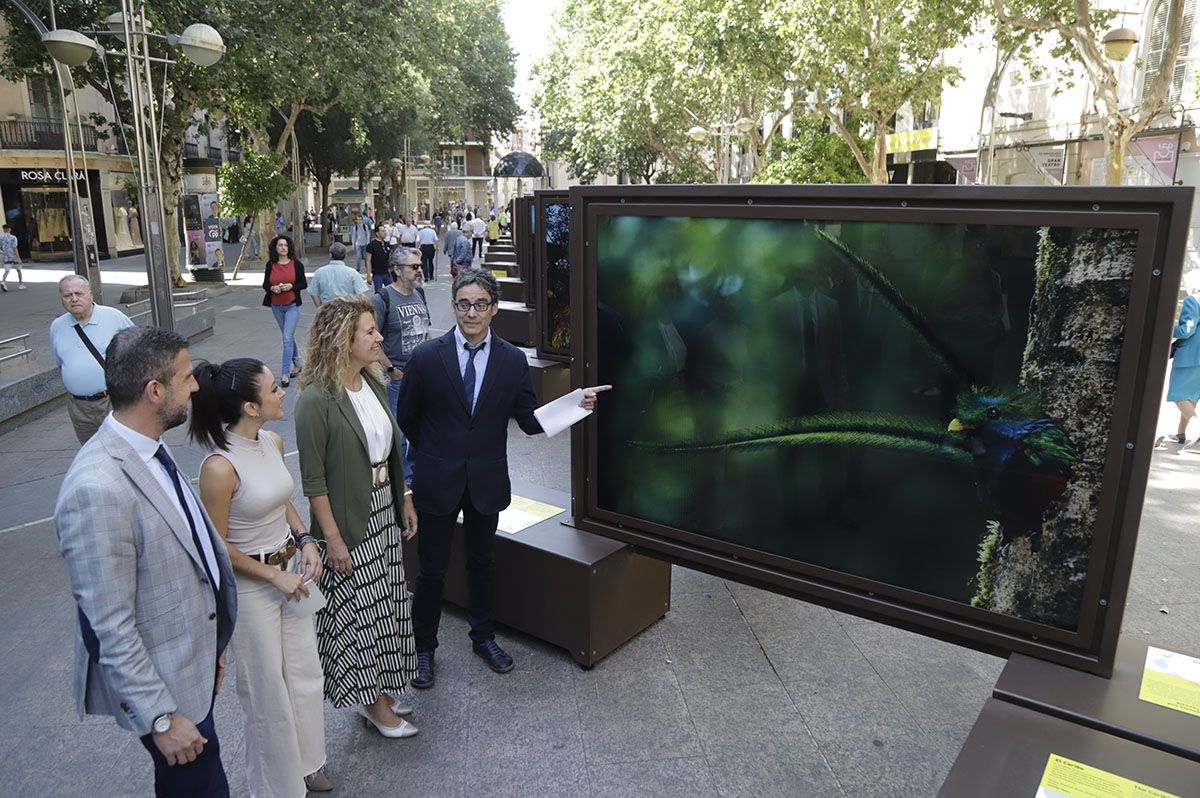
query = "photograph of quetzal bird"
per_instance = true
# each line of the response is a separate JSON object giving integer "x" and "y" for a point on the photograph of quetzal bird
{"x": 923, "y": 405}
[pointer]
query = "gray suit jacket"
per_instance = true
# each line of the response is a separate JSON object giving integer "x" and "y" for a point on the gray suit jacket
{"x": 149, "y": 627}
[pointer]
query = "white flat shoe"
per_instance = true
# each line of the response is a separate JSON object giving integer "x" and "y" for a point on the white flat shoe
{"x": 405, "y": 729}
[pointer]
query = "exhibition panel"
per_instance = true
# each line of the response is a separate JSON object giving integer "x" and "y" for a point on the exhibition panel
{"x": 924, "y": 404}
{"x": 552, "y": 261}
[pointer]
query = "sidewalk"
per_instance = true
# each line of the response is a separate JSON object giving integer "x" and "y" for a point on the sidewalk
{"x": 735, "y": 692}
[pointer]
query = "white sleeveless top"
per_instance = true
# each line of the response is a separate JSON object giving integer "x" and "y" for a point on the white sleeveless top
{"x": 257, "y": 516}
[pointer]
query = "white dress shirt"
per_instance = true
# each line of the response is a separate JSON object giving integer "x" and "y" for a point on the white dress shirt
{"x": 376, "y": 423}
{"x": 145, "y": 448}
{"x": 481, "y": 360}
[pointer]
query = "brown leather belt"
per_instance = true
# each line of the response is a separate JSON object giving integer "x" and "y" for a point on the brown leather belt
{"x": 279, "y": 558}
{"x": 379, "y": 473}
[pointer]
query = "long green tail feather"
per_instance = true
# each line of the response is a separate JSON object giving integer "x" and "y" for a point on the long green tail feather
{"x": 844, "y": 429}
{"x": 912, "y": 317}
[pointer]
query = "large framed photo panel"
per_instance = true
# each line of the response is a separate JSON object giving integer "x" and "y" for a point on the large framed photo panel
{"x": 933, "y": 406}
{"x": 553, "y": 263}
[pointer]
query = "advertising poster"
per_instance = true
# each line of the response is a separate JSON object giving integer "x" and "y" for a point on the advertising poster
{"x": 196, "y": 249}
{"x": 210, "y": 207}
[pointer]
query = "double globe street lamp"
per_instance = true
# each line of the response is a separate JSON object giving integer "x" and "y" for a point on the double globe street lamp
{"x": 202, "y": 45}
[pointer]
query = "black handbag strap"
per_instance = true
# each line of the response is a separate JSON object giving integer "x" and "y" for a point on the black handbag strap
{"x": 88, "y": 343}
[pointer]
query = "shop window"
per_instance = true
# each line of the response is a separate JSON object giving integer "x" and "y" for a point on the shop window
{"x": 1155, "y": 48}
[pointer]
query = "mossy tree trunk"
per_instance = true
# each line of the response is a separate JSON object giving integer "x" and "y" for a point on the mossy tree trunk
{"x": 1077, "y": 326}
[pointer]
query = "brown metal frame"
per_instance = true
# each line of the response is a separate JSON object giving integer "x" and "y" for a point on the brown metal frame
{"x": 524, "y": 244}
{"x": 1160, "y": 215}
{"x": 542, "y": 200}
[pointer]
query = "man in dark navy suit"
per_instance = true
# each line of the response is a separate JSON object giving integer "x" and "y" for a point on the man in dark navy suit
{"x": 459, "y": 392}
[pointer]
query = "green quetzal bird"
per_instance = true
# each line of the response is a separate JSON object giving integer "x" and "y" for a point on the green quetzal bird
{"x": 1022, "y": 459}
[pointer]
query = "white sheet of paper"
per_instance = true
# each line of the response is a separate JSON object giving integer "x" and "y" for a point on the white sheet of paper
{"x": 556, "y": 416}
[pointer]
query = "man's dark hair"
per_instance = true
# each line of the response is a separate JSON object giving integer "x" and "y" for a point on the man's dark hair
{"x": 484, "y": 279}
{"x": 135, "y": 356}
{"x": 7, "y": 228}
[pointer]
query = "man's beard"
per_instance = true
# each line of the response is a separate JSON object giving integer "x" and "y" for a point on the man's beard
{"x": 172, "y": 418}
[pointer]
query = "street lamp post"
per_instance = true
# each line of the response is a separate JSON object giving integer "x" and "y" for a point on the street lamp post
{"x": 723, "y": 131}
{"x": 202, "y": 45}
{"x": 83, "y": 231}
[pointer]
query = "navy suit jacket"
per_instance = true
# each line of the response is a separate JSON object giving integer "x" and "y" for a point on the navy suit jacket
{"x": 458, "y": 451}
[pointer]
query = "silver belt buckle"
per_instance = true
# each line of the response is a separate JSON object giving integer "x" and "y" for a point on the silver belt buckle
{"x": 379, "y": 473}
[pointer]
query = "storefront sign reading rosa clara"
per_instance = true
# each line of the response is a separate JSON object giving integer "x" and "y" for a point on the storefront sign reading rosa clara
{"x": 48, "y": 176}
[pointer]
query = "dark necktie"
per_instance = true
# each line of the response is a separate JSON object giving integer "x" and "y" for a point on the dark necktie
{"x": 469, "y": 373}
{"x": 169, "y": 464}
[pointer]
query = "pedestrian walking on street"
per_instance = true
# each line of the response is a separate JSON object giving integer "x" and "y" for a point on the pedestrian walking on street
{"x": 12, "y": 259}
{"x": 155, "y": 596}
{"x": 493, "y": 230}
{"x": 427, "y": 240}
{"x": 453, "y": 234}
{"x": 78, "y": 338}
{"x": 283, "y": 283}
{"x": 246, "y": 489}
{"x": 252, "y": 245}
{"x": 461, "y": 255}
{"x": 402, "y": 318}
{"x": 478, "y": 228}
{"x": 352, "y": 474}
{"x": 379, "y": 255}
{"x": 361, "y": 228}
{"x": 335, "y": 278}
{"x": 407, "y": 233}
{"x": 1184, "y": 386}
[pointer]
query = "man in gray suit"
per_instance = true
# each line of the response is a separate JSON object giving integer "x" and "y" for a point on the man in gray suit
{"x": 153, "y": 586}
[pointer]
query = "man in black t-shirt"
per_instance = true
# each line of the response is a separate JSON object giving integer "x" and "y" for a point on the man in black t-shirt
{"x": 378, "y": 253}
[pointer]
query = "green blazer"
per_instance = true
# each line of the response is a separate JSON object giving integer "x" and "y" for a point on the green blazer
{"x": 334, "y": 460}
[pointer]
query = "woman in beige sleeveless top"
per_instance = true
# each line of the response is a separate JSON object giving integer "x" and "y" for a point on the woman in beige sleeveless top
{"x": 247, "y": 491}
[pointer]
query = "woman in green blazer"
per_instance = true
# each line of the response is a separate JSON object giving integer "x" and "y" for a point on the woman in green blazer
{"x": 352, "y": 472}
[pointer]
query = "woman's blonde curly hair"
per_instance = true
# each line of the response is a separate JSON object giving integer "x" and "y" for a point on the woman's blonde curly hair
{"x": 329, "y": 341}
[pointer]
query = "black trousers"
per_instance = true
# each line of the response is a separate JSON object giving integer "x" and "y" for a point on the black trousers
{"x": 428, "y": 253}
{"x": 433, "y": 549}
{"x": 477, "y": 246}
{"x": 202, "y": 778}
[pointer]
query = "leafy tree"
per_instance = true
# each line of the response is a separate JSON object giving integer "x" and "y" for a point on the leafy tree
{"x": 186, "y": 86}
{"x": 866, "y": 59}
{"x": 624, "y": 80}
{"x": 812, "y": 155}
{"x": 252, "y": 187}
{"x": 1079, "y": 27}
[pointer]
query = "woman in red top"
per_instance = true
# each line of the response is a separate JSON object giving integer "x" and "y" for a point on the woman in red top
{"x": 282, "y": 283}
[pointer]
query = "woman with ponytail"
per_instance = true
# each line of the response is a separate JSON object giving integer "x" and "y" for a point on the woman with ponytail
{"x": 247, "y": 491}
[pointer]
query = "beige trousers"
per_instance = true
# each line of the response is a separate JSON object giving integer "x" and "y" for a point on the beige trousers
{"x": 86, "y": 417}
{"x": 280, "y": 686}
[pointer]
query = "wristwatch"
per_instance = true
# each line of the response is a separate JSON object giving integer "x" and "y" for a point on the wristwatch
{"x": 162, "y": 724}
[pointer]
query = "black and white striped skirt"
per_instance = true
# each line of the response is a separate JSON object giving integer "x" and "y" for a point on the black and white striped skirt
{"x": 364, "y": 633}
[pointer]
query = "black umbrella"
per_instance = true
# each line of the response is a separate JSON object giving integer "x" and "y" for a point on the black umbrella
{"x": 518, "y": 164}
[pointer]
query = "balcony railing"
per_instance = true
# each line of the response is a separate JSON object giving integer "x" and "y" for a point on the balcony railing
{"x": 234, "y": 156}
{"x": 191, "y": 150}
{"x": 44, "y": 136}
{"x": 214, "y": 154}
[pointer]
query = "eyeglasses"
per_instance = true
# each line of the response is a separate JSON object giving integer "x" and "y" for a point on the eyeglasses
{"x": 480, "y": 305}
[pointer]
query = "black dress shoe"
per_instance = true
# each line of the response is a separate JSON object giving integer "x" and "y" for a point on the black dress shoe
{"x": 424, "y": 678}
{"x": 493, "y": 655}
